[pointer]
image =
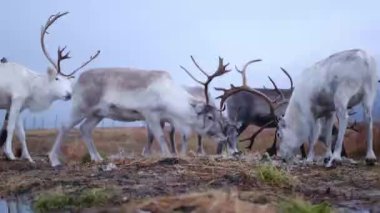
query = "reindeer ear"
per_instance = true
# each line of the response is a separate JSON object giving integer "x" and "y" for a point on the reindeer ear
{"x": 52, "y": 73}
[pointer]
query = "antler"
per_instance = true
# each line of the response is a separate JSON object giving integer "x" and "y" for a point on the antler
{"x": 61, "y": 55}
{"x": 290, "y": 79}
{"x": 220, "y": 71}
{"x": 84, "y": 64}
{"x": 244, "y": 71}
{"x": 44, "y": 29}
{"x": 280, "y": 93}
{"x": 233, "y": 90}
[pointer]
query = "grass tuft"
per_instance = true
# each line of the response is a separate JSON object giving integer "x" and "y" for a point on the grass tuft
{"x": 274, "y": 176}
{"x": 302, "y": 206}
{"x": 58, "y": 200}
{"x": 93, "y": 197}
{"x": 51, "y": 201}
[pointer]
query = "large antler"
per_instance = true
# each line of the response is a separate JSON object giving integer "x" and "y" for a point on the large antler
{"x": 234, "y": 89}
{"x": 61, "y": 55}
{"x": 44, "y": 29}
{"x": 290, "y": 79}
{"x": 220, "y": 71}
{"x": 279, "y": 92}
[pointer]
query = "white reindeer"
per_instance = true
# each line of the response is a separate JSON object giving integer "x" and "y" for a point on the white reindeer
{"x": 230, "y": 129}
{"x": 22, "y": 88}
{"x": 332, "y": 85}
{"x": 129, "y": 94}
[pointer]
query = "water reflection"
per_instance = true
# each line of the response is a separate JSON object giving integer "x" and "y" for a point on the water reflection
{"x": 17, "y": 205}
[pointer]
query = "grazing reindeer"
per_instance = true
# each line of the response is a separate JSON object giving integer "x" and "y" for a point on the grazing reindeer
{"x": 229, "y": 128}
{"x": 246, "y": 108}
{"x": 129, "y": 94}
{"x": 198, "y": 93}
{"x": 250, "y": 108}
{"x": 341, "y": 81}
{"x": 22, "y": 88}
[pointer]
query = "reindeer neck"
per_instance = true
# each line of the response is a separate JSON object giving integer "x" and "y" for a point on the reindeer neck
{"x": 40, "y": 96}
{"x": 299, "y": 117}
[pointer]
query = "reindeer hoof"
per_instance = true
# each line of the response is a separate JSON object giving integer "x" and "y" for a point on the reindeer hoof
{"x": 326, "y": 160}
{"x": 370, "y": 161}
{"x": 333, "y": 163}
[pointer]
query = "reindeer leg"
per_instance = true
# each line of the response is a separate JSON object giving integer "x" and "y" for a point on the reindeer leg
{"x": 154, "y": 123}
{"x": 171, "y": 137}
{"x": 273, "y": 150}
{"x": 13, "y": 116}
{"x": 303, "y": 151}
{"x": 20, "y": 134}
{"x": 147, "y": 149}
{"x": 4, "y": 133}
{"x": 184, "y": 140}
{"x": 370, "y": 157}
{"x": 313, "y": 140}
{"x": 343, "y": 119}
{"x": 328, "y": 137}
{"x": 86, "y": 129}
{"x": 200, "y": 149}
{"x": 75, "y": 118}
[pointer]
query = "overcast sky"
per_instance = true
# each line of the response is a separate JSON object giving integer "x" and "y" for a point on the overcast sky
{"x": 163, "y": 34}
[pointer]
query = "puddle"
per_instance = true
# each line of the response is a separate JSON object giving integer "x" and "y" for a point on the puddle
{"x": 17, "y": 205}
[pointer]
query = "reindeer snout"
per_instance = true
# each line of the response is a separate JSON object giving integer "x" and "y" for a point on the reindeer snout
{"x": 67, "y": 96}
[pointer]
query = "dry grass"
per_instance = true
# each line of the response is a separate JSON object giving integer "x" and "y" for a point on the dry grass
{"x": 147, "y": 181}
{"x": 132, "y": 140}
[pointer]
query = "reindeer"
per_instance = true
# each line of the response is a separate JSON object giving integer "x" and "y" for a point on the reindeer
{"x": 130, "y": 94}
{"x": 202, "y": 94}
{"x": 198, "y": 93}
{"x": 341, "y": 81}
{"x": 22, "y": 88}
{"x": 245, "y": 108}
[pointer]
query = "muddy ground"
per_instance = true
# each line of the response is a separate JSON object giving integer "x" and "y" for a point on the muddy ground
{"x": 135, "y": 180}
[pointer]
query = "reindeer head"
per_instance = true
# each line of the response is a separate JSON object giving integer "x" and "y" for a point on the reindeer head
{"x": 209, "y": 119}
{"x": 58, "y": 83}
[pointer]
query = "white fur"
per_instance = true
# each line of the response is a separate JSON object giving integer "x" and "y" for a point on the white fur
{"x": 20, "y": 89}
{"x": 161, "y": 100}
{"x": 343, "y": 80}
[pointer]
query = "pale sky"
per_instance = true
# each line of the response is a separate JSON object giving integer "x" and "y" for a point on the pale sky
{"x": 163, "y": 34}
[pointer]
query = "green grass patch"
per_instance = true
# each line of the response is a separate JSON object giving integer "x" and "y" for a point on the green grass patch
{"x": 93, "y": 197}
{"x": 272, "y": 175}
{"x": 58, "y": 200}
{"x": 302, "y": 206}
{"x": 52, "y": 201}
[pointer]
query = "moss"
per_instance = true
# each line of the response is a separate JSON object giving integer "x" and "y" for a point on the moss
{"x": 51, "y": 201}
{"x": 93, "y": 197}
{"x": 274, "y": 176}
{"x": 301, "y": 206}
{"x": 58, "y": 200}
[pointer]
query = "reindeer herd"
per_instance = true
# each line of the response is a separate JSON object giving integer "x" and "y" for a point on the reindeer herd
{"x": 303, "y": 113}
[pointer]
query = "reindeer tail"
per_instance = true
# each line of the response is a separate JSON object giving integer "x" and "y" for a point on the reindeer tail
{"x": 4, "y": 133}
